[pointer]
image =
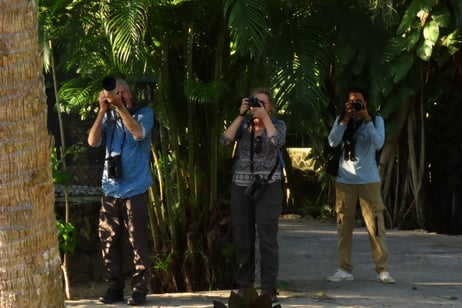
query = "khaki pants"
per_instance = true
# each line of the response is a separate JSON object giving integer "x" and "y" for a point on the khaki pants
{"x": 372, "y": 207}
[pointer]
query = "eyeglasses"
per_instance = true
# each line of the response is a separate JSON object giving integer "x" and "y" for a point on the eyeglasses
{"x": 258, "y": 144}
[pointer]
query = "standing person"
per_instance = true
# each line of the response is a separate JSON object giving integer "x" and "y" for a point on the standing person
{"x": 126, "y": 133}
{"x": 358, "y": 179}
{"x": 260, "y": 139}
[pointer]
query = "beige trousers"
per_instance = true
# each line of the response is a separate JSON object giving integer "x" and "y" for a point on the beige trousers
{"x": 372, "y": 207}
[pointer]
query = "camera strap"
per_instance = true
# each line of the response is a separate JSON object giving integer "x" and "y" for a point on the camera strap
{"x": 252, "y": 141}
{"x": 274, "y": 169}
{"x": 114, "y": 122}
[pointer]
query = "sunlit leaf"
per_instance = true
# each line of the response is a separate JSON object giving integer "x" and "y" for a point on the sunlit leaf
{"x": 247, "y": 21}
{"x": 412, "y": 13}
{"x": 424, "y": 51}
{"x": 431, "y": 31}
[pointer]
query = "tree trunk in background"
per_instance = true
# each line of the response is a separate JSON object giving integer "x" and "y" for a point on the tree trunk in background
{"x": 30, "y": 274}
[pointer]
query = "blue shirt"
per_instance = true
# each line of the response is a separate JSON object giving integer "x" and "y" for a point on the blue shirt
{"x": 370, "y": 137}
{"x": 135, "y": 154}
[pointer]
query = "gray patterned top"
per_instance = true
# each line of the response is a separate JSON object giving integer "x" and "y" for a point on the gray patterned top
{"x": 264, "y": 160}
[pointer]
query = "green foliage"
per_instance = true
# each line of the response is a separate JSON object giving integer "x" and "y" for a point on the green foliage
{"x": 248, "y": 24}
{"x": 197, "y": 91}
{"x": 67, "y": 233}
{"x": 163, "y": 264}
{"x": 60, "y": 176}
{"x": 207, "y": 55}
{"x": 67, "y": 237}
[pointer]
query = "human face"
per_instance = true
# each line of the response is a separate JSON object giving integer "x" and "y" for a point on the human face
{"x": 353, "y": 96}
{"x": 125, "y": 95}
{"x": 263, "y": 98}
{"x": 352, "y": 106}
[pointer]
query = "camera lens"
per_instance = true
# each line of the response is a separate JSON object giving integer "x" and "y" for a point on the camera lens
{"x": 110, "y": 84}
{"x": 357, "y": 105}
{"x": 254, "y": 102}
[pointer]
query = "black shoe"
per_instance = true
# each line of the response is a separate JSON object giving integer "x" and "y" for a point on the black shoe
{"x": 240, "y": 292}
{"x": 137, "y": 299}
{"x": 275, "y": 304}
{"x": 112, "y": 296}
{"x": 274, "y": 299}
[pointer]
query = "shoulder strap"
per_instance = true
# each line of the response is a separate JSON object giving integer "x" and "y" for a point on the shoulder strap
{"x": 274, "y": 168}
{"x": 252, "y": 137}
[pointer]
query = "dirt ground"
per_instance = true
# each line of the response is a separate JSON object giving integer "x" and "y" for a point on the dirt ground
{"x": 426, "y": 266}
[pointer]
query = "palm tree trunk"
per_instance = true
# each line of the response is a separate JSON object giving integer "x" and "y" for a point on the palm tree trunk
{"x": 29, "y": 256}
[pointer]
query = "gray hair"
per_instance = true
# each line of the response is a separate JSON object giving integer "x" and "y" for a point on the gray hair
{"x": 123, "y": 83}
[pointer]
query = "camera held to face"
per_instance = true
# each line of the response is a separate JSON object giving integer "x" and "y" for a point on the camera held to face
{"x": 254, "y": 102}
{"x": 114, "y": 167}
{"x": 110, "y": 85}
{"x": 357, "y": 105}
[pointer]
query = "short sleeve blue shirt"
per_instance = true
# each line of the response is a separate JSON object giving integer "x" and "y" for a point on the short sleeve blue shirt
{"x": 135, "y": 154}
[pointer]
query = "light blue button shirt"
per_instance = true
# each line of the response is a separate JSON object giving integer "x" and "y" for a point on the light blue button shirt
{"x": 135, "y": 155}
{"x": 370, "y": 137}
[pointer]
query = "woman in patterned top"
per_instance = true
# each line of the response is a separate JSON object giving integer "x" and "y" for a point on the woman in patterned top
{"x": 259, "y": 140}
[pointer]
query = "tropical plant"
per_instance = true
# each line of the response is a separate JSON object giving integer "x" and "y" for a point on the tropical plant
{"x": 67, "y": 233}
{"x": 67, "y": 237}
{"x": 206, "y": 55}
{"x": 408, "y": 59}
{"x": 29, "y": 256}
{"x": 419, "y": 58}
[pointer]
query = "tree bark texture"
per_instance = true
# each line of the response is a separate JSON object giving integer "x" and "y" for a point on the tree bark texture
{"x": 30, "y": 274}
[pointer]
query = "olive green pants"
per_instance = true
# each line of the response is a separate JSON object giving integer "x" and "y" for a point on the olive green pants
{"x": 372, "y": 207}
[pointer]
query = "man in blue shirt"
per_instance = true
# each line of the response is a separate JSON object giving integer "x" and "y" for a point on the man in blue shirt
{"x": 125, "y": 130}
{"x": 358, "y": 179}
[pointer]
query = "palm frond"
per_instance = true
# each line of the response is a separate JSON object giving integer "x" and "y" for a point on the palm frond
{"x": 249, "y": 28}
{"x": 300, "y": 65}
{"x": 79, "y": 95}
{"x": 125, "y": 29}
{"x": 204, "y": 93}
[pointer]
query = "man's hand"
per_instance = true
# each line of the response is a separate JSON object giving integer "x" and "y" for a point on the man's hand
{"x": 349, "y": 112}
{"x": 363, "y": 114}
{"x": 103, "y": 104}
{"x": 113, "y": 99}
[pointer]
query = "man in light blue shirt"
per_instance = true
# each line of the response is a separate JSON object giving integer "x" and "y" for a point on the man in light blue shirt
{"x": 358, "y": 180}
{"x": 125, "y": 130}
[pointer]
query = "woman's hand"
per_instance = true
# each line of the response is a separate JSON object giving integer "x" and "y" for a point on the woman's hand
{"x": 244, "y": 106}
{"x": 259, "y": 112}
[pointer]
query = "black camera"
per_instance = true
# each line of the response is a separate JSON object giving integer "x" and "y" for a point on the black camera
{"x": 254, "y": 102}
{"x": 114, "y": 167}
{"x": 357, "y": 105}
{"x": 110, "y": 84}
{"x": 256, "y": 188}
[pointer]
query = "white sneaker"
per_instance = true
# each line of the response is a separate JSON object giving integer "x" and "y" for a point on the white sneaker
{"x": 340, "y": 276}
{"x": 385, "y": 277}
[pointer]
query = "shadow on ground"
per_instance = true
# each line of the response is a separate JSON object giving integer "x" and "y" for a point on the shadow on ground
{"x": 427, "y": 268}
